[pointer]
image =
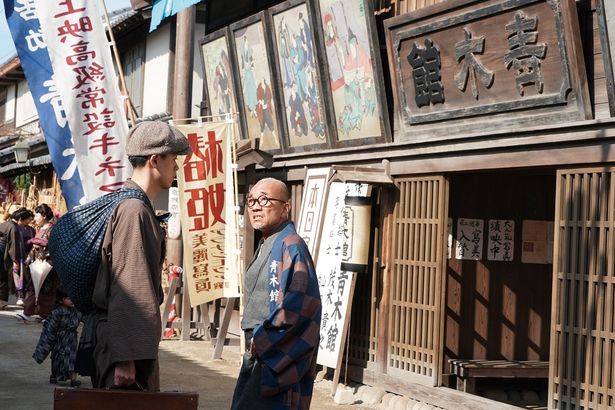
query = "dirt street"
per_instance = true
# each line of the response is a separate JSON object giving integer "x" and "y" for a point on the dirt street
{"x": 24, "y": 385}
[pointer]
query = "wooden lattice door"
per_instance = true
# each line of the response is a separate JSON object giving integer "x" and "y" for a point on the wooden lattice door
{"x": 418, "y": 257}
{"x": 582, "y": 371}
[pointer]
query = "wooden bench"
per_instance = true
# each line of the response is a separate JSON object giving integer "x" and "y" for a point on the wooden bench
{"x": 468, "y": 370}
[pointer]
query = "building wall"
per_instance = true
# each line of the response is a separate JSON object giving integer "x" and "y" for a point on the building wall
{"x": 26, "y": 110}
{"x": 156, "y": 80}
{"x": 9, "y": 107}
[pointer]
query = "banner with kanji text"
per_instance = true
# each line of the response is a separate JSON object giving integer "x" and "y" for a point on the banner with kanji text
{"x": 209, "y": 213}
{"x": 85, "y": 79}
{"x": 25, "y": 27}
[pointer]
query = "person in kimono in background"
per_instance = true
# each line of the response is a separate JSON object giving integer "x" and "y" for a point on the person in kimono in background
{"x": 264, "y": 109}
{"x": 297, "y": 114}
{"x": 59, "y": 337}
{"x": 12, "y": 252}
{"x": 222, "y": 83}
{"x": 248, "y": 78}
{"x": 282, "y": 310}
{"x": 285, "y": 42}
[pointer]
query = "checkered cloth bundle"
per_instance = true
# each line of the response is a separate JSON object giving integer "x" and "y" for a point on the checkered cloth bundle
{"x": 75, "y": 244}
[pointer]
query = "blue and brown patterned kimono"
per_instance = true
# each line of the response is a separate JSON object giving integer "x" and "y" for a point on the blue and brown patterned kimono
{"x": 286, "y": 343}
{"x": 59, "y": 337}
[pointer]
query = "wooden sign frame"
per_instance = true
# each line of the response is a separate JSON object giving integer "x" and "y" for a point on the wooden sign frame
{"x": 495, "y": 103}
{"x": 248, "y": 111}
{"x": 316, "y": 134}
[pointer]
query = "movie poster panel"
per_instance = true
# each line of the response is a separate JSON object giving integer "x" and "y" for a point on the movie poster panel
{"x": 208, "y": 213}
{"x": 355, "y": 71}
{"x": 220, "y": 88}
{"x": 299, "y": 75}
{"x": 258, "y": 98}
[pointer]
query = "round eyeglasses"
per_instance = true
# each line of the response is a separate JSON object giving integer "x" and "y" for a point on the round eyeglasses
{"x": 262, "y": 200}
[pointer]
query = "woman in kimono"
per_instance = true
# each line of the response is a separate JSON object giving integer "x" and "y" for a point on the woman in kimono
{"x": 12, "y": 250}
{"x": 42, "y": 306}
{"x": 59, "y": 337}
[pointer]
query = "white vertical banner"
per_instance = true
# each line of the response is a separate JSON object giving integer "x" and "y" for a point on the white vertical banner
{"x": 86, "y": 81}
{"x": 333, "y": 282}
{"x": 208, "y": 213}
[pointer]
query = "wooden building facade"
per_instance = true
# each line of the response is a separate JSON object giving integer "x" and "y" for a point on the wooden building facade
{"x": 488, "y": 154}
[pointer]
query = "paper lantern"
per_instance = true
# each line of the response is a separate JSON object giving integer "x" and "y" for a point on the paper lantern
{"x": 357, "y": 233}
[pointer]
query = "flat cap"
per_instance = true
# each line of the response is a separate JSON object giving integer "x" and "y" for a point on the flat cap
{"x": 156, "y": 137}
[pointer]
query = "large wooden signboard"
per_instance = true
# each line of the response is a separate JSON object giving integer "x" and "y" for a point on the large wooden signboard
{"x": 469, "y": 66}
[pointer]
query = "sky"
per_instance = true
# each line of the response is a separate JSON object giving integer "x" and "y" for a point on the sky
{"x": 6, "y": 44}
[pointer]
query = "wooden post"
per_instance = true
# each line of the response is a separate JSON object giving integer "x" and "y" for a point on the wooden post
{"x": 116, "y": 55}
{"x": 182, "y": 86}
{"x": 184, "y": 44}
{"x": 226, "y": 319}
{"x": 186, "y": 310}
{"x": 168, "y": 303}
{"x": 383, "y": 305}
{"x": 248, "y": 241}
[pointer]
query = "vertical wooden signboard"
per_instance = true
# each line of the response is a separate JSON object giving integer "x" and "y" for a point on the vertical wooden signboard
{"x": 336, "y": 286}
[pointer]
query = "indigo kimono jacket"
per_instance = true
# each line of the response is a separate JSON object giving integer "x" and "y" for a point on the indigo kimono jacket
{"x": 59, "y": 338}
{"x": 287, "y": 342}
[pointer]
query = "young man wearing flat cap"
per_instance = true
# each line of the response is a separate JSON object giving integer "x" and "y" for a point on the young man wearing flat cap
{"x": 128, "y": 292}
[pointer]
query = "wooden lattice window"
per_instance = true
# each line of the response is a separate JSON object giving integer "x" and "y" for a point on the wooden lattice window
{"x": 582, "y": 368}
{"x": 415, "y": 315}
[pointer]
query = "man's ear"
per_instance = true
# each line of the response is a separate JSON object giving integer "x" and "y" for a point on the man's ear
{"x": 153, "y": 160}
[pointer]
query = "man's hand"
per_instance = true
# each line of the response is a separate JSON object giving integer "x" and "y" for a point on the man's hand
{"x": 124, "y": 373}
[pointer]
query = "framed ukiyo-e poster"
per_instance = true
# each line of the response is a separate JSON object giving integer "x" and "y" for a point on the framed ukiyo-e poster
{"x": 258, "y": 97}
{"x": 217, "y": 67}
{"x": 352, "y": 58}
{"x": 299, "y": 76}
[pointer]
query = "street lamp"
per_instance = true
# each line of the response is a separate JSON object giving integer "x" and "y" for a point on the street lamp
{"x": 22, "y": 151}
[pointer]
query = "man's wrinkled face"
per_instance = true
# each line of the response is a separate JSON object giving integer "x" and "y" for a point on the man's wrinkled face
{"x": 268, "y": 206}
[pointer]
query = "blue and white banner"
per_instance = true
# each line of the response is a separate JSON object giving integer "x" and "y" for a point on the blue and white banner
{"x": 167, "y": 8}
{"x": 85, "y": 78}
{"x": 32, "y": 50}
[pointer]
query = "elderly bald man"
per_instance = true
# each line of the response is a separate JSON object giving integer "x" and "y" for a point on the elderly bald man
{"x": 282, "y": 309}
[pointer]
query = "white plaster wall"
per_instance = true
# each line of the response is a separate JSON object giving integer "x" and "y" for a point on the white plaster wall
{"x": 197, "y": 71}
{"x": 25, "y": 108}
{"x": 156, "y": 76}
{"x": 9, "y": 112}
